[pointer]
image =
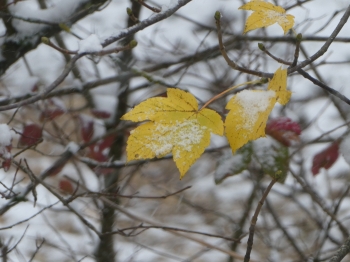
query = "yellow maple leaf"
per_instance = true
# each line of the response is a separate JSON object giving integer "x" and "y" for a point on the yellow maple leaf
{"x": 250, "y": 109}
{"x": 176, "y": 125}
{"x": 266, "y": 14}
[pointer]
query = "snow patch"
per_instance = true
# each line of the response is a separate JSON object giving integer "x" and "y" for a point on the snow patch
{"x": 90, "y": 44}
{"x": 182, "y": 135}
{"x": 73, "y": 147}
{"x": 345, "y": 148}
{"x": 5, "y": 135}
{"x": 253, "y": 103}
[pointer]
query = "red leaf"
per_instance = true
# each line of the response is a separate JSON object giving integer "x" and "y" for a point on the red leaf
{"x": 66, "y": 186}
{"x": 325, "y": 159}
{"x": 107, "y": 142}
{"x": 284, "y": 130}
{"x": 50, "y": 114}
{"x": 31, "y": 135}
{"x": 100, "y": 114}
{"x": 6, "y": 164}
{"x": 96, "y": 154}
{"x": 87, "y": 128}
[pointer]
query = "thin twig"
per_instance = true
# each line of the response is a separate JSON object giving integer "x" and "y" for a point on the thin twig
{"x": 124, "y": 33}
{"x": 285, "y": 232}
{"x": 319, "y": 201}
{"x": 297, "y": 48}
{"x": 143, "y": 219}
{"x": 180, "y": 230}
{"x": 154, "y": 9}
{"x": 324, "y": 86}
{"x": 279, "y": 60}
{"x": 326, "y": 45}
{"x": 254, "y": 220}
{"x": 225, "y": 55}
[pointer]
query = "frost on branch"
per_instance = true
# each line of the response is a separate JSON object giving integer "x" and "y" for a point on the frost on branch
{"x": 90, "y": 44}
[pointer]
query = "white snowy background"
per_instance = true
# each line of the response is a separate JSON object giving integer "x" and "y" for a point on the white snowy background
{"x": 205, "y": 207}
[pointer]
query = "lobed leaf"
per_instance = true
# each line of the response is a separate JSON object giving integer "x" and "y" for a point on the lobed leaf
{"x": 246, "y": 121}
{"x": 176, "y": 126}
{"x": 249, "y": 110}
{"x": 266, "y": 14}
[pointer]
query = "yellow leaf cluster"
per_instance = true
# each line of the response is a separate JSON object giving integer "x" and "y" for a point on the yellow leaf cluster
{"x": 175, "y": 126}
{"x": 250, "y": 109}
{"x": 266, "y": 14}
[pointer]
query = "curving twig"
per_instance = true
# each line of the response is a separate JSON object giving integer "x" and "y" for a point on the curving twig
{"x": 254, "y": 220}
{"x": 326, "y": 45}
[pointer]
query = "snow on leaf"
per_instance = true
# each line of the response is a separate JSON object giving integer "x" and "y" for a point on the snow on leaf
{"x": 326, "y": 158}
{"x": 176, "y": 126}
{"x": 266, "y": 14}
{"x": 272, "y": 157}
{"x": 230, "y": 165}
{"x": 249, "y": 111}
{"x": 248, "y": 115}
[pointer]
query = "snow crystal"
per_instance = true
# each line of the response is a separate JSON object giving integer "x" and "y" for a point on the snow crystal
{"x": 275, "y": 16}
{"x": 5, "y": 135}
{"x": 253, "y": 103}
{"x": 183, "y": 135}
{"x": 345, "y": 148}
{"x": 73, "y": 147}
{"x": 90, "y": 44}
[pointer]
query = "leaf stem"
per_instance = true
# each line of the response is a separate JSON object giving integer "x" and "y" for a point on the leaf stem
{"x": 230, "y": 89}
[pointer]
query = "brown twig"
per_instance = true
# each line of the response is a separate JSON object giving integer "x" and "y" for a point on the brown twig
{"x": 297, "y": 48}
{"x": 154, "y": 9}
{"x": 319, "y": 201}
{"x": 326, "y": 45}
{"x": 254, "y": 220}
{"x": 285, "y": 232}
{"x": 70, "y": 65}
{"x": 324, "y": 86}
{"x": 342, "y": 252}
{"x": 225, "y": 55}
{"x": 149, "y": 221}
{"x": 279, "y": 60}
{"x": 238, "y": 240}
{"x": 131, "y": 45}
